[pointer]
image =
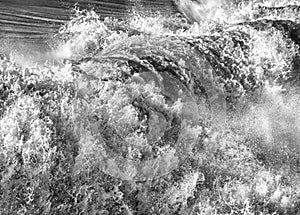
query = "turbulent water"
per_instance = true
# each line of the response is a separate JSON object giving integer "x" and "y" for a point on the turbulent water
{"x": 27, "y": 27}
{"x": 155, "y": 113}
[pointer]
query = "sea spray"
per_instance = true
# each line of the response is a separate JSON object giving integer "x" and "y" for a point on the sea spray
{"x": 146, "y": 118}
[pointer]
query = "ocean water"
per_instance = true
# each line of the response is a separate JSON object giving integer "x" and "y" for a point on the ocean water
{"x": 153, "y": 112}
{"x": 33, "y": 23}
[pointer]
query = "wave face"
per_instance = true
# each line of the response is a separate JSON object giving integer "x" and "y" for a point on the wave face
{"x": 155, "y": 113}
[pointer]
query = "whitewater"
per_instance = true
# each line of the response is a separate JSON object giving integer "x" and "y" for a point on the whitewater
{"x": 155, "y": 113}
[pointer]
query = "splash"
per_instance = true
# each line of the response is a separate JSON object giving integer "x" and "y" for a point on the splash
{"x": 160, "y": 49}
{"x": 197, "y": 11}
{"x": 206, "y": 103}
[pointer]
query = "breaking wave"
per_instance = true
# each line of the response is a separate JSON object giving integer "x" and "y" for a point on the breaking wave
{"x": 193, "y": 113}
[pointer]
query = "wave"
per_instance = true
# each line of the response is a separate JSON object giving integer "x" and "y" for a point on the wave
{"x": 157, "y": 113}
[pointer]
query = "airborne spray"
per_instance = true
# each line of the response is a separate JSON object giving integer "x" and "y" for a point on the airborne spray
{"x": 199, "y": 10}
{"x": 156, "y": 113}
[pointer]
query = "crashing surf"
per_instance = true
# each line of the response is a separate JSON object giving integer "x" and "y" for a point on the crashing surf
{"x": 158, "y": 110}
